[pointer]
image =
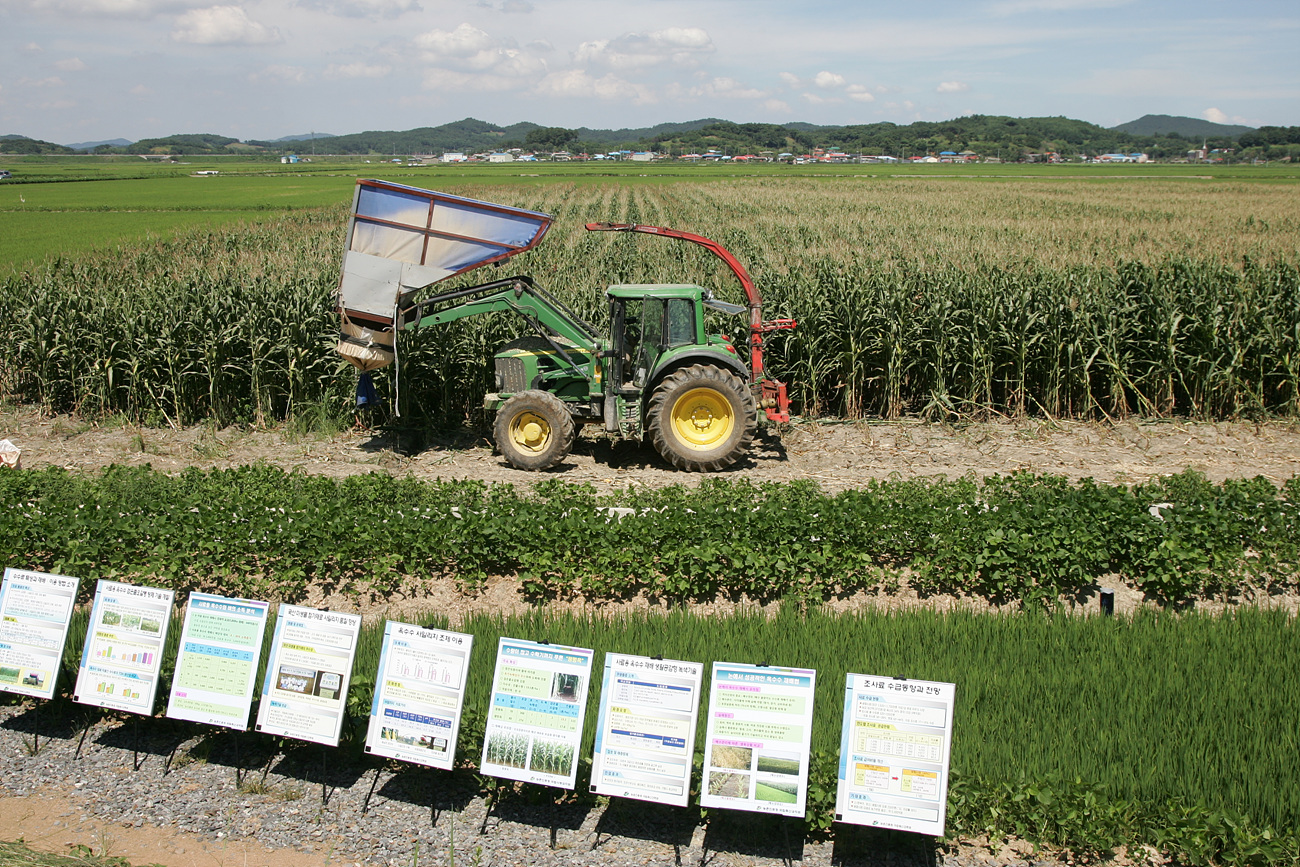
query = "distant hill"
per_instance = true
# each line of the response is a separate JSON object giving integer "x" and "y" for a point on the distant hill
{"x": 91, "y": 145}
{"x": 21, "y": 144}
{"x": 310, "y": 136}
{"x": 654, "y": 133}
{"x": 1188, "y": 127}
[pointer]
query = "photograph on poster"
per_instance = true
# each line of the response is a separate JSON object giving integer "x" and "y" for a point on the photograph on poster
{"x": 758, "y": 738}
{"x": 535, "y": 712}
{"x": 419, "y": 695}
{"x": 645, "y": 730}
{"x": 35, "y": 610}
{"x": 122, "y": 656}
{"x": 216, "y": 662}
{"x": 894, "y": 753}
{"x": 306, "y": 683}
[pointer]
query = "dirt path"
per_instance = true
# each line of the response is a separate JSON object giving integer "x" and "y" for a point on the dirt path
{"x": 836, "y": 456}
{"x": 54, "y": 823}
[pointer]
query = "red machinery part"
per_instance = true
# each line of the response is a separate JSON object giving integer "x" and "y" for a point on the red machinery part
{"x": 773, "y": 398}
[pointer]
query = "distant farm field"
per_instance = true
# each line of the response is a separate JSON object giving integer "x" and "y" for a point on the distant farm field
{"x": 945, "y": 294}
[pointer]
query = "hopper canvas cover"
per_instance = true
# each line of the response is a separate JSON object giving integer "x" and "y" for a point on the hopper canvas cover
{"x": 402, "y": 239}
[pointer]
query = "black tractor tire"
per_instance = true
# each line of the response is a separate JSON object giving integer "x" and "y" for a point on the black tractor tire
{"x": 701, "y": 418}
{"x": 534, "y": 430}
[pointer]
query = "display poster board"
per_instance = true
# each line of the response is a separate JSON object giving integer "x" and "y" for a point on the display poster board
{"x": 758, "y": 738}
{"x": 894, "y": 753}
{"x": 419, "y": 693}
{"x": 124, "y": 647}
{"x": 305, "y": 692}
{"x": 35, "y": 609}
{"x": 535, "y": 713}
{"x": 216, "y": 664}
{"x": 645, "y": 732}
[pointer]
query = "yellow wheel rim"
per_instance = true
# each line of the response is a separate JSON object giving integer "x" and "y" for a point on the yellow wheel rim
{"x": 530, "y": 432}
{"x": 702, "y": 419}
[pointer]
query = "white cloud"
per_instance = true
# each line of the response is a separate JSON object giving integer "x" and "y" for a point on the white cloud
{"x": 72, "y": 64}
{"x": 110, "y": 8}
{"x": 826, "y": 80}
{"x": 791, "y": 79}
{"x": 465, "y": 41}
{"x": 280, "y": 72}
{"x": 52, "y": 81}
{"x": 141, "y": 90}
{"x": 357, "y": 70}
{"x": 775, "y": 105}
{"x": 814, "y": 99}
{"x": 32, "y": 47}
{"x": 1213, "y": 115}
{"x": 372, "y": 9}
{"x": 860, "y": 93}
{"x": 676, "y": 45}
{"x": 952, "y": 87}
{"x": 727, "y": 88}
{"x": 510, "y": 7}
{"x": 222, "y": 25}
{"x": 468, "y": 58}
{"x": 576, "y": 83}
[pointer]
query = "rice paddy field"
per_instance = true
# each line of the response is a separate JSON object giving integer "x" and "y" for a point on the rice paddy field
{"x": 170, "y": 300}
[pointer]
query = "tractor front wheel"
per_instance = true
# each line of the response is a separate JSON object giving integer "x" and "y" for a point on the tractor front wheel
{"x": 701, "y": 418}
{"x": 534, "y": 430}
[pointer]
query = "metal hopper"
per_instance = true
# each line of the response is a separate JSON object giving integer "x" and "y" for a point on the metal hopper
{"x": 403, "y": 239}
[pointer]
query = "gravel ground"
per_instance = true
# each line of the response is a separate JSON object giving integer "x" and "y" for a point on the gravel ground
{"x": 161, "y": 773}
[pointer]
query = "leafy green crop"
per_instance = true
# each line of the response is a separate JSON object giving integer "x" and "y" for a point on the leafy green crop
{"x": 259, "y": 531}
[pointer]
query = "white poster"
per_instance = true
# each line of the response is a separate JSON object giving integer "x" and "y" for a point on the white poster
{"x": 216, "y": 664}
{"x": 124, "y": 647}
{"x": 894, "y": 753}
{"x": 645, "y": 733}
{"x": 758, "y": 739}
{"x": 35, "y": 608}
{"x": 305, "y": 693}
{"x": 538, "y": 702}
{"x": 419, "y": 693}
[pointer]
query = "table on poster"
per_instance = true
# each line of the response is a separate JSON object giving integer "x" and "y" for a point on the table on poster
{"x": 216, "y": 663}
{"x": 419, "y": 694}
{"x": 894, "y": 753}
{"x": 304, "y": 694}
{"x": 645, "y": 732}
{"x": 123, "y": 653}
{"x": 758, "y": 738}
{"x": 35, "y": 609}
{"x": 535, "y": 712}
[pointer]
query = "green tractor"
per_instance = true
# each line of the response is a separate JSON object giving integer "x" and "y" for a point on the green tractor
{"x": 658, "y": 374}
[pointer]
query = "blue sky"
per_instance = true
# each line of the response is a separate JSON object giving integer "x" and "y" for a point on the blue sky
{"x": 86, "y": 70}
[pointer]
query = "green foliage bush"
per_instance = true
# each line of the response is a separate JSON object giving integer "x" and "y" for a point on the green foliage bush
{"x": 262, "y": 531}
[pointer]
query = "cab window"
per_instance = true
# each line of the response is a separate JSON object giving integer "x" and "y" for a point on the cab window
{"x": 681, "y": 322}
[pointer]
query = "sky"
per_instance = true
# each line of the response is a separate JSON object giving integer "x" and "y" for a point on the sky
{"x": 92, "y": 70}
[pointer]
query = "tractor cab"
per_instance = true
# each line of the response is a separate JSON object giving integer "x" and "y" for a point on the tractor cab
{"x": 656, "y": 322}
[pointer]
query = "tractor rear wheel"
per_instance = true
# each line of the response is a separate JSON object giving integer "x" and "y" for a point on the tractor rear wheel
{"x": 701, "y": 418}
{"x": 534, "y": 430}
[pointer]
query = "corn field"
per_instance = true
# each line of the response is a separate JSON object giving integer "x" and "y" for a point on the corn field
{"x": 918, "y": 295}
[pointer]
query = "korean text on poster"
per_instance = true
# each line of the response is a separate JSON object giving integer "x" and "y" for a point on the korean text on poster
{"x": 894, "y": 753}
{"x": 645, "y": 734}
{"x": 758, "y": 739}
{"x": 305, "y": 693}
{"x": 216, "y": 664}
{"x": 419, "y": 693}
{"x": 124, "y": 647}
{"x": 535, "y": 713}
{"x": 35, "y": 609}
